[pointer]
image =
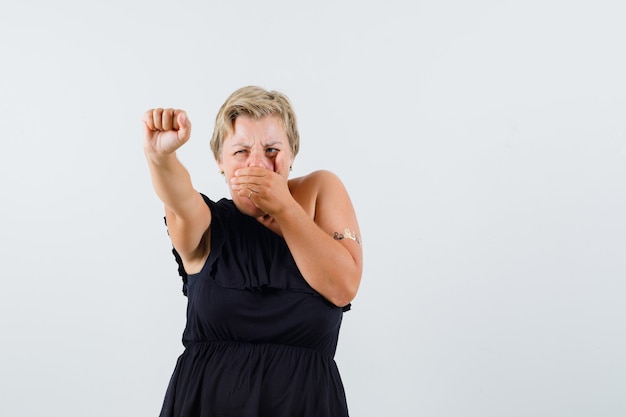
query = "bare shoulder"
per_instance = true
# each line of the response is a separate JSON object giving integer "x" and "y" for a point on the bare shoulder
{"x": 315, "y": 180}
{"x": 308, "y": 190}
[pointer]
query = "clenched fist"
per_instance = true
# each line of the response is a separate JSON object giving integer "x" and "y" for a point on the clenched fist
{"x": 165, "y": 130}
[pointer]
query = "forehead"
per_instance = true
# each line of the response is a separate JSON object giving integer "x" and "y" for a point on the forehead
{"x": 246, "y": 128}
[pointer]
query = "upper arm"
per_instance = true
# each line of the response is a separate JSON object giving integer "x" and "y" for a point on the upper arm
{"x": 334, "y": 213}
{"x": 189, "y": 230}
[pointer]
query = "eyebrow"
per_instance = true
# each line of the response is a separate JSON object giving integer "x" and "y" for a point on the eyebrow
{"x": 244, "y": 145}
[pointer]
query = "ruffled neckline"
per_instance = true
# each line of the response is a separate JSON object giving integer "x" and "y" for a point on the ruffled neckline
{"x": 246, "y": 255}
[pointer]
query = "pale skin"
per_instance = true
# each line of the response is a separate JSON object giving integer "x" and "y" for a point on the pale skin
{"x": 256, "y": 159}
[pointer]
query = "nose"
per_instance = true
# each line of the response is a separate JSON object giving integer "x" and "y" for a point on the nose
{"x": 257, "y": 158}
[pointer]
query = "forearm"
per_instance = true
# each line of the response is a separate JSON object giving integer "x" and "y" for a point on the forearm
{"x": 325, "y": 263}
{"x": 171, "y": 182}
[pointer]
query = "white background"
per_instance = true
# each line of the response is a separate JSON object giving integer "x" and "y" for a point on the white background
{"x": 483, "y": 144}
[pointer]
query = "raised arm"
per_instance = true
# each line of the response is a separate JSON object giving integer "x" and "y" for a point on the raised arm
{"x": 188, "y": 217}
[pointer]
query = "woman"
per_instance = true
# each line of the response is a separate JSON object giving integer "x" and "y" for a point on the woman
{"x": 268, "y": 273}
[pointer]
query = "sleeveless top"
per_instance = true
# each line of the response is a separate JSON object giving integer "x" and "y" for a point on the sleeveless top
{"x": 259, "y": 341}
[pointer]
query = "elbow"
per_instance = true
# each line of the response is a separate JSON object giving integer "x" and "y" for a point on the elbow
{"x": 341, "y": 302}
{"x": 344, "y": 296}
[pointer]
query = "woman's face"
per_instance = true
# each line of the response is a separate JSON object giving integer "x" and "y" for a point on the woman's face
{"x": 256, "y": 142}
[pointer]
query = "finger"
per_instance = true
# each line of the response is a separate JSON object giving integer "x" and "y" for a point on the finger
{"x": 248, "y": 173}
{"x": 246, "y": 192}
{"x": 179, "y": 119}
{"x": 245, "y": 182}
{"x": 276, "y": 167}
{"x": 156, "y": 118}
{"x": 182, "y": 123}
{"x": 147, "y": 120}
{"x": 166, "y": 119}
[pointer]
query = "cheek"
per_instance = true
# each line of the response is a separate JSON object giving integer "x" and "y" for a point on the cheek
{"x": 232, "y": 164}
{"x": 282, "y": 164}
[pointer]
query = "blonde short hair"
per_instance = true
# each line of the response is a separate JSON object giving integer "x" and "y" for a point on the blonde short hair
{"x": 254, "y": 102}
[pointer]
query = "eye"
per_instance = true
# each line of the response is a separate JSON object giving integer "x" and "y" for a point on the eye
{"x": 272, "y": 150}
{"x": 240, "y": 152}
